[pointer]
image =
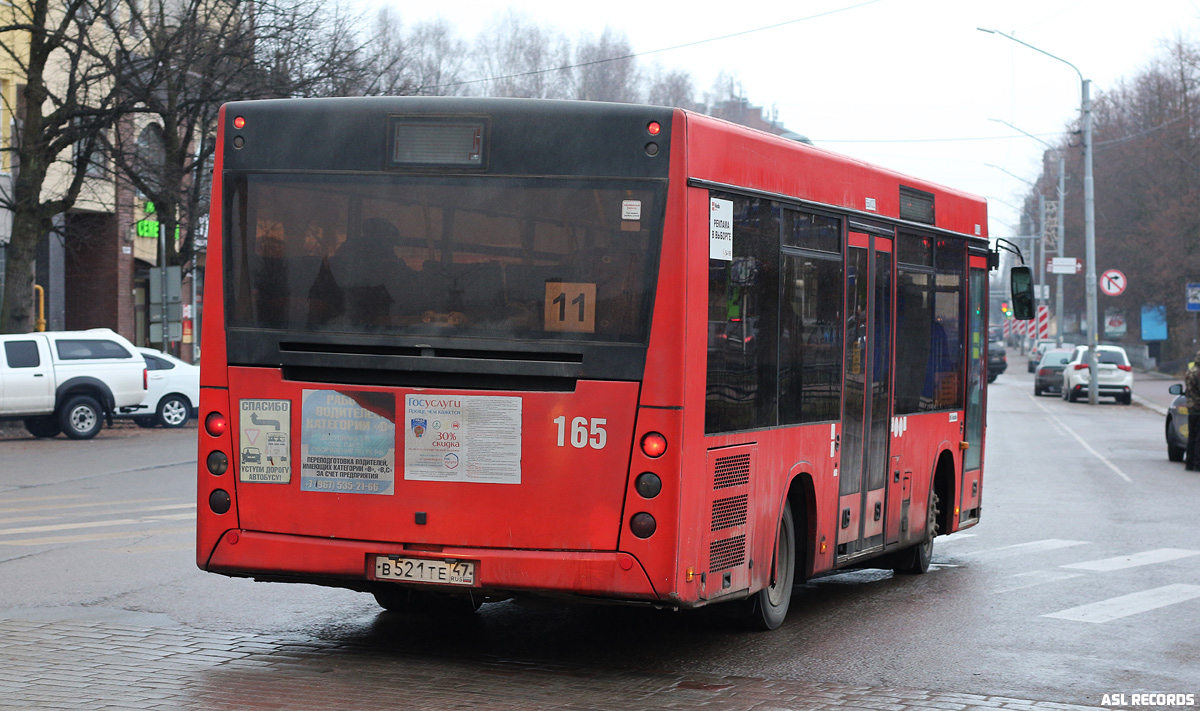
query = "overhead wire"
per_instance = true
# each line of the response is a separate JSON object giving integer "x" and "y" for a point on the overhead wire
{"x": 632, "y": 55}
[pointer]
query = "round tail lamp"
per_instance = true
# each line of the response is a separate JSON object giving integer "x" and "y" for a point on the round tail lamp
{"x": 654, "y": 445}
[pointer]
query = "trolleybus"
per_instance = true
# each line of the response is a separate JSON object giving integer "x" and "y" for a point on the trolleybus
{"x": 463, "y": 349}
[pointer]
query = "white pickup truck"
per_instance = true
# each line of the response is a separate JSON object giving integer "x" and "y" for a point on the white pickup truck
{"x": 68, "y": 381}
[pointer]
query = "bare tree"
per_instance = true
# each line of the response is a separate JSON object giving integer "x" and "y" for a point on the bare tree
{"x": 390, "y": 56}
{"x": 68, "y": 98}
{"x": 308, "y": 48}
{"x": 438, "y": 59}
{"x": 1147, "y": 185}
{"x": 671, "y": 88}
{"x": 605, "y": 69}
{"x": 521, "y": 59}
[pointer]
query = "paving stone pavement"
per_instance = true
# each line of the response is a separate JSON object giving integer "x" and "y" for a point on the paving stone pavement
{"x": 101, "y": 664}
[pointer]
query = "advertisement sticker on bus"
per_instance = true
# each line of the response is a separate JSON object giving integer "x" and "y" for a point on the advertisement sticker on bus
{"x": 348, "y": 442}
{"x": 264, "y": 434}
{"x": 462, "y": 438}
{"x": 720, "y": 229}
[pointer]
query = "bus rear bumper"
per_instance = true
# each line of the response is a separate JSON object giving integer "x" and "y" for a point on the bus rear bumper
{"x": 349, "y": 563}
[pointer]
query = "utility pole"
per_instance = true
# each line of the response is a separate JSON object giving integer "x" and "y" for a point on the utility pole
{"x": 1089, "y": 212}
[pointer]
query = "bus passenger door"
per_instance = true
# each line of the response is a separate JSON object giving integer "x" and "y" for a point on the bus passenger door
{"x": 968, "y": 504}
{"x": 866, "y": 400}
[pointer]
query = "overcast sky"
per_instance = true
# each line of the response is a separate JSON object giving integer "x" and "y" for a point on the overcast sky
{"x": 907, "y": 84}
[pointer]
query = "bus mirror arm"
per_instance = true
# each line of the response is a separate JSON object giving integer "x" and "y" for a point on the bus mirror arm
{"x": 1003, "y": 244}
{"x": 1021, "y": 279}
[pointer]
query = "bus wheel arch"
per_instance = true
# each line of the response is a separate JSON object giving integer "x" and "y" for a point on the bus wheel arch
{"x": 791, "y": 556}
{"x": 915, "y": 559}
{"x": 801, "y": 496}
{"x": 944, "y": 477}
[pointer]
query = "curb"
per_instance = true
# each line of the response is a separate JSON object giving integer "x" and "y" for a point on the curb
{"x": 1150, "y": 405}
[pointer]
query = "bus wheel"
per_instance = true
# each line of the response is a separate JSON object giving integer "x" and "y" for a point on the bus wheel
{"x": 407, "y": 600}
{"x": 915, "y": 560}
{"x": 770, "y": 605}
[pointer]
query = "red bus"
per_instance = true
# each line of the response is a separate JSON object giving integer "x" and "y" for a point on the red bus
{"x": 462, "y": 349}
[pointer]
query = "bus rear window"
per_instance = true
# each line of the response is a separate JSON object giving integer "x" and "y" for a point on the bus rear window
{"x": 461, "y": 256}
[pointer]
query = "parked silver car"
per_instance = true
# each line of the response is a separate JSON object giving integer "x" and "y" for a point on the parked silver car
{"x": 1177, "y": 424}
{"x": 1048, "y": 376}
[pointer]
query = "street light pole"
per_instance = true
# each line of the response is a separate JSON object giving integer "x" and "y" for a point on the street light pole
{"x": 1089, "y": 240}
{"x": 1089, "y": 213}
{"x": 1061, "y": 229}
{"x": 1062, "y": 250}
{"x": 1037, "y": 247}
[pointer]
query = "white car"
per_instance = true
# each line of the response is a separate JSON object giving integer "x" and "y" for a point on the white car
{"x": 1114, "y": 374}
{"x": 172, "y": 391}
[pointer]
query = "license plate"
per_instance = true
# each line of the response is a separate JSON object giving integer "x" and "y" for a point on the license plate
{"x": 424, "y": 570}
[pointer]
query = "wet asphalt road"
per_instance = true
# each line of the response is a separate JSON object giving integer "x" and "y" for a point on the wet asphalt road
{"x": 1082, "y": 580}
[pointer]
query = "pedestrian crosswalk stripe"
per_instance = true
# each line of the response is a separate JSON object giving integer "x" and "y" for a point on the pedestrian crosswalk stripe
{"x": 30, "y": 499}
{"x": 96, "y": 524}
{"x": 1037, "y": 577}
{"x": 1019, "y": 549}
{"x": 88, "y": 504}
{"x": 1132, "y": 604}
{"x": 67, "y": 526}
{"x": 121, "y": 511}
{"x": 1161, "y": 555}
{"x": 98, "y": 536}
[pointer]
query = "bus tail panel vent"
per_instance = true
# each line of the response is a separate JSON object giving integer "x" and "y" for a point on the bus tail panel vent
{"x": 730, "y": 513}
{"x": 726, "y": 554}
{"x": 731, "y": 471}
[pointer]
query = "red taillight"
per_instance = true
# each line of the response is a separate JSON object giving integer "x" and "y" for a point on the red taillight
{"x": 654, "y": 128}
{"x": 215, "y": 424}
{"x": 239, "y": 122}
{"x": 1081, "y": 366}
{"x": 145, "y": 378}
{"x": 1044, "y": 371}
{"x": 654, "y": 445}
{"x": 1126, "y": 368}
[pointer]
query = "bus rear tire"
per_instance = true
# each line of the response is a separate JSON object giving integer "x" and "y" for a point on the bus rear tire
{"x": 915, "y": 559}
{"x": 769, "y": 606}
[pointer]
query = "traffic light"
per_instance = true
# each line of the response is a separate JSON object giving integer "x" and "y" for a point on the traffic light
{"x": 1004, "y": 308}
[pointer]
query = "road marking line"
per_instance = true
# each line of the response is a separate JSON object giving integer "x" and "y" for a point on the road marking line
{"x": 1079, "y": 439}
{"x": 1126, "y": 605}
{"x": 98, "y": 524}
{"x": 67, "y": 526}
{"x": 48, "y": 498}
{"x": 1042, "y": 546}
{"x": 1037, "y": 577}
{"x": 143, "y": 509}
{"x": 52, "y": 540}
{"x": 90, "y": 504}
{"x": 1161, "y": 555}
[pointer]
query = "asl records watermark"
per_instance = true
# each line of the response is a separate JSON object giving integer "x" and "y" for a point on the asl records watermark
{"x": 1148, "y": 700}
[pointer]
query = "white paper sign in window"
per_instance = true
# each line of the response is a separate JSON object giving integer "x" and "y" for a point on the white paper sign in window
{"x": 720, "y": 229}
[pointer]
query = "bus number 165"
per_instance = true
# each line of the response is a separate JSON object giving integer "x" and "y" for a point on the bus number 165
{"x": 583, "y": 432}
